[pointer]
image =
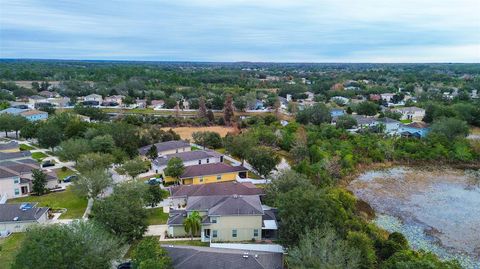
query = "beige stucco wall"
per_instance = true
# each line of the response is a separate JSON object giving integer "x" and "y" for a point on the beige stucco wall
{"x": 172, "y": 151}
{"x": 244, "y": 225}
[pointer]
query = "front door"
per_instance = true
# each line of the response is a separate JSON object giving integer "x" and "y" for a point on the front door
{"x": 24, "y": 190}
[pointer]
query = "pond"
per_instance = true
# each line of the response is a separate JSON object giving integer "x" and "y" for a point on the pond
{"x": 438, "y": 210}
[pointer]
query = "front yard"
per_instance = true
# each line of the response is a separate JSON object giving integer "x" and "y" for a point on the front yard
{"x": 39, "y": 156}
{"x": 61, "y": 174}
{"x": 65, "y": 199}
{"x": 8, "y": 249}
{"x": 156, "y": 216}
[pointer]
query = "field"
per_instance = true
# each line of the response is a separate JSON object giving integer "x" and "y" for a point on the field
{"x": 186, "y": 132}
{"x": 66, "y": 199}
{"x": 8, "y": 248}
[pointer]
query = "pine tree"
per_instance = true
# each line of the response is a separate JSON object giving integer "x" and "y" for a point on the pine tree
{"x": 202, "y": 108}
{"x": 228, "y": 111}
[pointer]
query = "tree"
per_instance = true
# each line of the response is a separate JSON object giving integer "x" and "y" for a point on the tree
{"x": 18, "y": 122}
{"x": 367, "y": 108}
{"x": 207, "y": 139}
{"x": 276, "y": 107}
{"x": 210, "y": 116}
{"x": 175, "y": 168}
{"x": 76, "y": 245}
{"x": 286, "y": 181}
{"x": 263, "y": 159}
{"x": 49, "y": 135}
{"x": 316, "y": 114}
{"x": 228, "y": 111}
{"x": 29, "y": 131}
{"x": 123, "y": 213}
{"x": 152, "y": 152}
{"x": 192, "y": 224}
{"x": 420, "y": 259}
{"x": 72, "y": 149}
{"x": 451, "y": 128}
{"x": 346, "y": 122}
{"x": 91, "y": 183}
{"x": 103, "y": 144}
{"x": 39, "y": 182}
{"x": 94, "y": 161}
{"x": 148, "y": 254}
{"x": 5, "y": 123}
{"x": 155, "y": 195}
{"x": 202, "y": 108}
{"x": 134, "y": 167}
{"x": 323, "y": 248}
{"x": 364, "y": 245}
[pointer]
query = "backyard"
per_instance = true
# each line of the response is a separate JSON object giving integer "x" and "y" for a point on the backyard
{"x": 8, "y": 248}
{"x": 57, "y": 200}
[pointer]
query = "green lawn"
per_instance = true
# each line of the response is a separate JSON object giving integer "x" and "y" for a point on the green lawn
{"x": 25, "y": 147}
{"x": 195, "y": 243}
{"x": 221, "y": 150}
{"x": 156, "y": 216}
{"x": 39, "y": 156}
{"x": 406, "y": 121}
{"x": 8, "y": 248}
{"x": 65, "y": 199}
{"x": 62, "y": 174}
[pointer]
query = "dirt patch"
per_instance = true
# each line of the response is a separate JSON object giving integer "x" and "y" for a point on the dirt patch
{"x": 186, "y": 132}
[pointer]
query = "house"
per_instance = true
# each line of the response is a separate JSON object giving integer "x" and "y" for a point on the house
{"x": 157, "y": 104}
{"x": 411, "y": 113}
{"x": 310, "y": 96}
{"x": 225, "y": 218}
{"x": 168, "y": 147}
{"x": 35, "y": 115}
{"x": 93, "y": 98}
{"x": 117, "y": 99}
{"x": 283, "y": 102}
{"x": 387, "y": 96}
{"x": 474, "y": 94}
{"x": 375, "y": 97}
{"x": 415, "y": 129}
{"x": 189, "y": 158}
{"x": 11, "y": 146}
{"x": 60, "y": 101}
{"x": 48, "y": 94}
{"x": 179, "y": 194}
{"x": 16, "y": 177}
{"x": 391, "y": 126}
{"x": 364, "y": 121}
{"x": 188, "y": 257}
{"x": 13, "y": 110}
{"x": 36, "y": 99}
{"x": 18, "y": 217}
{"x": 141, "y": 103}
{"x": 210, "y": 173}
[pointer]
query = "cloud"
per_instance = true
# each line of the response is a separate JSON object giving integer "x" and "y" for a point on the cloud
{"x": 238, "y": 30}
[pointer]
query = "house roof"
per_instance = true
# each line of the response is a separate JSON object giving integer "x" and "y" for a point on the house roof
{"x": 418, "y": 125}
{"x": 210, "y": 169}
{"x": 32, "y": 112}
{"x": 387, "y": 120}
{"x": 226, "y": 205}
{"x": 176, "y": 217}
{"x": 361, "y": 120}
{"x": 164, "y": 146}
{"x": 5, "y": 173}
{"x": 409, "y": 109}
{"x": 14, "y": 155}
{"x": 220, "y": 188}
{"x": 187, "y": 257}
{"x": 9, "y": 146}
{"x": 19, "y": 167}
{"x": 186, "y": 156}
{"x": 12, "y": 110}
{"x": 24, "y": 212}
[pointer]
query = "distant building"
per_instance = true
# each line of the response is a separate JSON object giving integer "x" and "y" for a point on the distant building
{"x": 48, "y": 94}
{"x": 189, "y": 158}
{"x": 411, "y": 113}
{"x": 168, "y": 147}
{"x": 157, "y": 104}
{"x": 35, "y": 115}
{"x": 118, "y": 99}
{"x": 340, "y": 99}
{"x": 93, "y": 98}
{"x": 415, "y": 129}
{"x": 387, "y": 96}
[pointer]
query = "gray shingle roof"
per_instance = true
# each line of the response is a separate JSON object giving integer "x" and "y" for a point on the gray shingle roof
{"x": 176, "y": 217}
{"x": 9, "y": 146}
{"x": 210, "y": 169}
{"x": 4, "y": 173}
{"x": 220, "y": 188}
{"x": 186, "y": 156}
{"x": 187, "y": 257}
{"x": 10, "y": 211}
{"x": 14, "y": 155}
{"x": 163, "y": 146}
{"x": 387, "y": 120}
{"x": 226, "y": 205}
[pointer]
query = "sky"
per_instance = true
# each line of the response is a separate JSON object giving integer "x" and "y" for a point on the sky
{"x": 242, "y": 30}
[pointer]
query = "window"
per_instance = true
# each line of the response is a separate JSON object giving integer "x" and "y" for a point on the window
{"x": 16, "y": 180}
{"x": 208, "y": 160}
{"x": 17, "y": 191}
{"x": 255, "y": 232}
{"x": 219, "y": 177}
{"x": 214, "y": 233}
{"x": 213, "y": 219}
{"x": 199, "y": 161}
{"x": 234, "y": 233}
{"x": 201, "y": 179}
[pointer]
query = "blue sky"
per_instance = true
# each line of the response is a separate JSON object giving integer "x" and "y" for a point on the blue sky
{"x": 243, "y": 30}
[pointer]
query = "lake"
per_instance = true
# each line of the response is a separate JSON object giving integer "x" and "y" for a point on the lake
{"x": 436, "y": 210}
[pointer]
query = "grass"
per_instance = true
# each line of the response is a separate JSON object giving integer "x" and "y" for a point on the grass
{"x": 195, "y": 243}
{"x": 39, "y": 156}
{"x": 221, "y": 150}
{"x": 250, "y": 174}
{"x": 62, "y": 174}
{"x": 65, "y": 199}
{"x": 25, "y": 147}
{"x": 8, "y": 249}
{"x": 156, "y": 216}
{"x": 406, "y": 121}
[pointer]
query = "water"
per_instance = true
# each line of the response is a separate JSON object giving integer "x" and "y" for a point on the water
{"x": 438, "y": 211}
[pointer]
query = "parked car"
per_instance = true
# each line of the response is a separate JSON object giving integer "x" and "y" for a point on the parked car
{"x": 69, "y": 178}
{"x": 154, "y": 181}
{"x": 125, "y": 265}
{"x": 48, "y": 163}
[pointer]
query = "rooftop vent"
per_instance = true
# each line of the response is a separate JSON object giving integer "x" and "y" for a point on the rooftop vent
{"x": 245, "y": 255}
{"x": 15, "y": 219}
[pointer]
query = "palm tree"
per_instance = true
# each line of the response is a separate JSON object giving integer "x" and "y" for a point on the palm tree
{"x": 192, "y": 224}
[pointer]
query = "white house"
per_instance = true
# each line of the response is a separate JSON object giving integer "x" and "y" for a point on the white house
{"x": 168, "y": 147}
{"x": 411, "y": 113}
{"x": 189, "y": 158}
{"x": 18, "y": 217}
{"x": 93, "y": 97}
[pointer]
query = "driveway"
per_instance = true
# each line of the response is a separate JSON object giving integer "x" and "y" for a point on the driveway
{"x": 157, "y": 230}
